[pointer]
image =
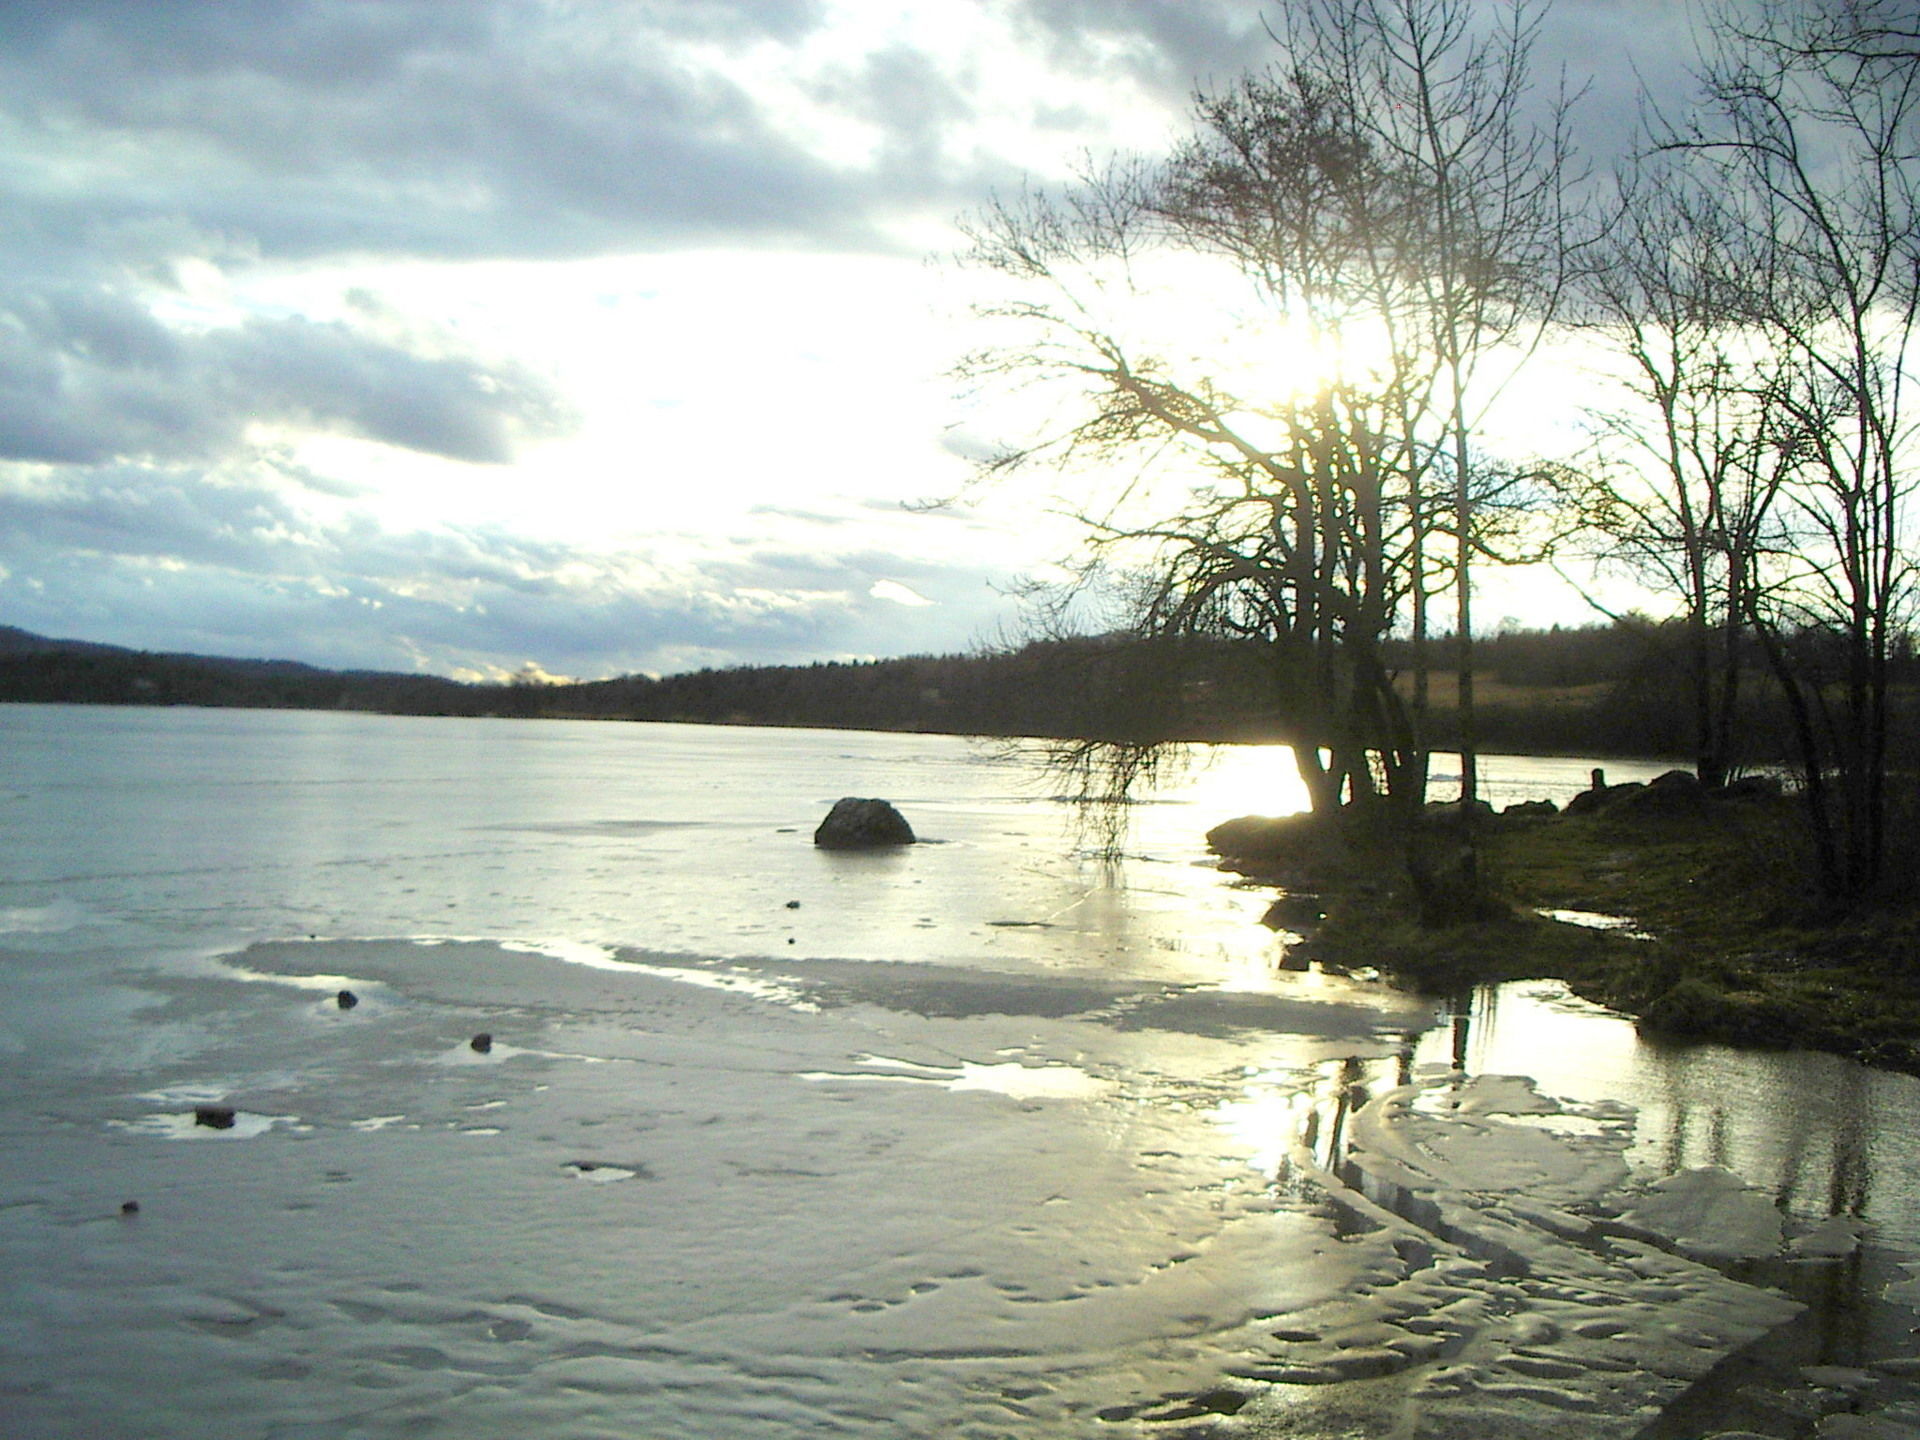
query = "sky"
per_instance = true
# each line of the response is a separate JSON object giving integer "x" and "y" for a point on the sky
{"x": 566, "y": 337}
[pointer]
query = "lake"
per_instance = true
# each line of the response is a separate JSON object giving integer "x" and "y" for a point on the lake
{"x": 996, "y": 1135}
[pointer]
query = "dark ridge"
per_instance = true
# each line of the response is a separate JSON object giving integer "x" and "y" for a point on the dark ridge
{"x": 1590, "y": 690}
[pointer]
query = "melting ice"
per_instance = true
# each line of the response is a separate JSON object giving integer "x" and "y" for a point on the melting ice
{"x": 918, "y": 1172}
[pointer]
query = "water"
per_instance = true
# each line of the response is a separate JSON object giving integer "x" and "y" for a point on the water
{"x": 986, "y": 1137}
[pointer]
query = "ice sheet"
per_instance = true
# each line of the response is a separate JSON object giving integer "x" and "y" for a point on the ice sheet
{"x": 663, "y": 1206}
{"x": 989, "y": 1138}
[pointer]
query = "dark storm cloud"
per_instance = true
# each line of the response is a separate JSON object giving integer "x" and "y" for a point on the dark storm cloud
{"x": 1626, "y": 54}
{"x": 1170, "y": 46}
{"x": 1606, "y": 50}
{"x": 413, "y": 126}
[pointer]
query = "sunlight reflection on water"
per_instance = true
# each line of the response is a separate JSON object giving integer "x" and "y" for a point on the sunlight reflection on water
{"x": 709, "y": 995}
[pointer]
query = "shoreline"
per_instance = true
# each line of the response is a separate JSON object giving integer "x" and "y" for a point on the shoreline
{"x": 1677, "y": 909}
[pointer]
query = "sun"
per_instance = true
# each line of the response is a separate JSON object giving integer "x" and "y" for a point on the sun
{"x": 1208, "y": 324}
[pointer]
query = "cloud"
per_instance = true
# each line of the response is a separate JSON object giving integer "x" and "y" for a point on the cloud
{"x": 799, "y": 515}
{"x": 88, "y": 374}
{"x": 1170, "y": 48}
{"x": 1168, "y": 45}
{"x": 488, "y": 127}
{"x": 216, "y": 368}
{"x": 896, "y": 592}
{"x": 251, "y": 562}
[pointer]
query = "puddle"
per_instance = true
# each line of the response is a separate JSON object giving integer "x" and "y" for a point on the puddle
{"x": 1010, "y": 1078}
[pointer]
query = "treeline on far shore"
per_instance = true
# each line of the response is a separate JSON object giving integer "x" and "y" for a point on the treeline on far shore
{"x": 1594, "y": 690}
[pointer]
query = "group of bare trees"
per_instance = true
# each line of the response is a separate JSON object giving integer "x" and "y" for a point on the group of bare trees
{"x": 1761, "y": 276}
{"x": 1397, "y": 200}
{"x": 1381, "y": 206}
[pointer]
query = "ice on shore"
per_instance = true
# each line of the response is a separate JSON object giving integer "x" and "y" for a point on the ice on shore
{"x": 728, "y": 1198}
{"x": 1712, "y": 1213}
{"x": 1499, "y": 1293}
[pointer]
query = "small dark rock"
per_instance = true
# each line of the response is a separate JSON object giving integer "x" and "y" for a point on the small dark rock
{"x": 1295, "y": 910}
{"x": 129, "y": 1207}
{"x": 1589, "y": 802}
{"x": 1677, "y": 792}
{"x": 1221, "y": 1401}
{"x": 856, "y": 824}
{"x": 346, "y": 1000}
{"x": 1454, "y": 812}
{"x": 482, "y": 1043}
{"x": 793, "y": 904}
{"x": 1676, "y": 780}
{"x": 1258, "y": 837}
{"x": 214, "y": 1117}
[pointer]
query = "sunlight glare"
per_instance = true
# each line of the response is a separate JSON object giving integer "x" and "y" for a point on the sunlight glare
{"x": 1265, "y": 1121}
{"x": 1230, "y": 780}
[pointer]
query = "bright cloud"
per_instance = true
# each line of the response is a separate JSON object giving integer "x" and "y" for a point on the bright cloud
{"x": 592, "y": 338}
{"x": 896, "y": 592}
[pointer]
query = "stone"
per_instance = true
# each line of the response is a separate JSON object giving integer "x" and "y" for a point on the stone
{"x": 1675, "y": 780}
{"x": 1589, "y": 801}
{"x": 1527, "y": 809}
{"x": 1676, "y": 792}
{"x": 1260, "y": 837}
{"x": 1456, "y": 812}
{"x": 1294, "y": 910}
{"x": 857, "y": 824}
{"x": 214, "y": 1117}
{"x": 346, "y": 1000}
{"x": 481, "y": 1044}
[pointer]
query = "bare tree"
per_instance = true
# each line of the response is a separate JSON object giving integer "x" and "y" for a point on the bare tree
{"x": 1808, "y": 133}
{"x": 1383, "y": 203}
{"x": 1447, "y": 97}
{"x": 1681, "y": 490}
{"x": 1288, "y": 517}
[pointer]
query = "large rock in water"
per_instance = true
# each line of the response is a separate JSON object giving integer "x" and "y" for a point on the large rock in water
{"x": 855, "y": 824}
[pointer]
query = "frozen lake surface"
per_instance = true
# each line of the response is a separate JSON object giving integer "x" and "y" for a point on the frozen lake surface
{"x": 986, "y": 1137}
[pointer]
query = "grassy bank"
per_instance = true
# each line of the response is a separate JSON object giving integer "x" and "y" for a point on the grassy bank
{"x": 1683, "y": 910}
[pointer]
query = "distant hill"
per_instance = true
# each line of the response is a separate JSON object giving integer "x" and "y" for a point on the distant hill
{"x": 47, "y": 670}
{"x": 1108, "y": 687}
{"x": 1590, "y": 690}
{"x": 14, "y": 641}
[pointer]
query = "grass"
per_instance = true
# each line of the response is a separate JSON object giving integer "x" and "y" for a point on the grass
{"x": 1443, "y": 693}
{"x": 1725, "y": 942}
